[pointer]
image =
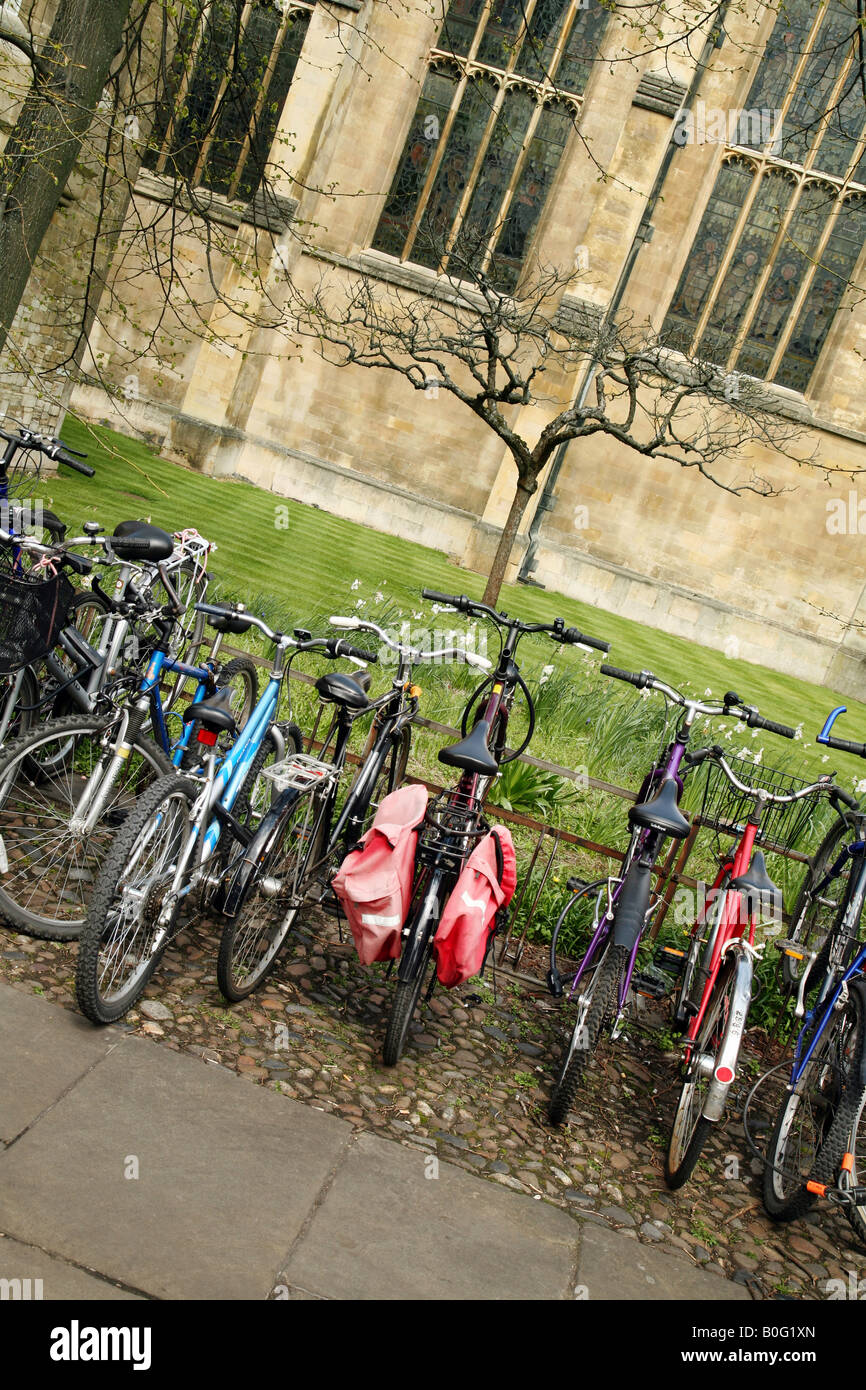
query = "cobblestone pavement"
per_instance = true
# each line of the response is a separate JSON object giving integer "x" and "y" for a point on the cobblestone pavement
{"x": 473, "y": 1087}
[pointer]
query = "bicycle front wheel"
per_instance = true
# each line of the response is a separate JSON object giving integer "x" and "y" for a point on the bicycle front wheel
{"x": 50, "y": 864}
{"x": 123, "y": 937}
{"x": 596, "y": 1004}
{"x": 406, "y": 997}
{"x": 265, "y": 895}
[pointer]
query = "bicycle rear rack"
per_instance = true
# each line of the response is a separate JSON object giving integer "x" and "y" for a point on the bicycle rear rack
{"x": 301, "y": 771}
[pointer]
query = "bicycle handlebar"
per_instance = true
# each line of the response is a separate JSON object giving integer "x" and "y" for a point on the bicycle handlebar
{"x": 731, "y": 704}
{"x": 824, "y": 784}
{"x": 842, "y": 745}
{"x": 443, "y": 653}
{"x": 557, "y": 629}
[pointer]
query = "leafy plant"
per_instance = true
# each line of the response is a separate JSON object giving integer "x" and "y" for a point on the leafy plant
{"x": 524, "y": 788}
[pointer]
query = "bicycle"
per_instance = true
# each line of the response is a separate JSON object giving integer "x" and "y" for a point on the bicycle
{"x": 66, "y": 787}
{"x": 812, "y": 1150}
{"x": 455, "y": 821}
{"x": 300, "y": 840}
{"x": 623, "y": 905}
{"x": 184, "y": 835}
{"x": 18, "y": 702}
{"x": 716, "y": 988}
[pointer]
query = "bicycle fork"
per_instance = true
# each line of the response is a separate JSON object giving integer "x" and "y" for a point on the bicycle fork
{"x": 418, "y": 937}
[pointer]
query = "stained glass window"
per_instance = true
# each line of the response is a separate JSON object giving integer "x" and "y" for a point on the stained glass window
{"x": 786, "y": 221}
{"x": 227, "y": 85}
{"x": 502, "y": 91}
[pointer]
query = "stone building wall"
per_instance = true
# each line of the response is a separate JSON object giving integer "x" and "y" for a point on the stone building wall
{"x": 656, "y": 542}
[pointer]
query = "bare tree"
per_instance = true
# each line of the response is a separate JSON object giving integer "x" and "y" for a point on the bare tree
{"x": 495, "y": 354}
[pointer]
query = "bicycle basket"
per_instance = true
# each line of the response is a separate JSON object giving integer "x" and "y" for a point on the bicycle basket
{"x": 32, "y": 612}
{"x": 452, "y": 827}
{"x": 726, "y": 809}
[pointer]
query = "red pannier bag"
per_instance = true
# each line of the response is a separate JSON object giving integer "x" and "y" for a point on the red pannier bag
{"x": 486, "y": 884}
{"x": 374, "y": 881}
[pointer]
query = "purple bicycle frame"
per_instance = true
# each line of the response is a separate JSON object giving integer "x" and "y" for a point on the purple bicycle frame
{"x": 669, "y": 769}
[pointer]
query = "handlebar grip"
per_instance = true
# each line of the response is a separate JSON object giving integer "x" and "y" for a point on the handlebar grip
{"x": 639, "y": 679}
{"x": 83, "y": 468}
{"x": 135, "y": 545}
{"x": 572, "y": 635}
{"x": 844, "y": 745}
{"x": 346, "y": 649}
{"x": 459, "y": 601}
{"x": 699, "y": 756}
{"x": 77, "y": 563}
{"x": 755, "y": 721}
{"x": 837, "y": 794}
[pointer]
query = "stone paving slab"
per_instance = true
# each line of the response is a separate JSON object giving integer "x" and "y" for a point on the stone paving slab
{"x": 36, "y": 1071}
{"x": 386, "y": 1231}
{"x": 226, "y": 1174}
{"x": 58, "y": 1279}
{"x": 612, "y": 1266}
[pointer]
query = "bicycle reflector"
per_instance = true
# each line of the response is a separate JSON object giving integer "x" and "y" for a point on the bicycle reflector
{"x": 207, "y": 736}
{"x": 725, "y": 1075}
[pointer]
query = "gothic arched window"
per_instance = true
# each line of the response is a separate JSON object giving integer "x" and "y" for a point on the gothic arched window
{"x": 786, "y": 221}
{"x": 501, "y": 94}
{"x": 228, "y": 82}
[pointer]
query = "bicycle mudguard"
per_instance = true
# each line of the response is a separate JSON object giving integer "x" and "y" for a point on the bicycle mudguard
{"x": 421, "y": 928}
{"x": 726, "y": 1062}
{"x": 256, "y": 851}
{"x": 631, "y": 909}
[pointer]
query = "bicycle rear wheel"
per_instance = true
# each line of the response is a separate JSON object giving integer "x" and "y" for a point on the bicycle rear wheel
{"x": 814, "y": 916}
{"x": 50, "y": 866}
{"x": 807, "y": 1142}
{"x": 265, "y": 894}
{"x": 691, "y": 1128}
{"x": 595, "y": 1006}
{"x": 122, "y": 939}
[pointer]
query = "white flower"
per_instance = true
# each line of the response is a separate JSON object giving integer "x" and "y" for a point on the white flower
{"x": 356, "y": 584}
{"x": 759, "y": 755}
{"x": 754, "y": 733}
{"x": 708, "y": 691}
{"x": 546, "y": 673}
{"x": 860, "y": 787}
{"x": 739, "y": 727}
{"x": 798, "y": 732}
{"x": 826, "y": 758}
{"x": 378, "y": 596}
{"x": 729, "y": 734}
{"x": 360, "y": 603}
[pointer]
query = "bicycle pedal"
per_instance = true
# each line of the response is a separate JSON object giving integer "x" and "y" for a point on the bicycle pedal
{"x": 670, "y": 960}
{"x": 574, "y": 885}
{"x": 643, "y": 982}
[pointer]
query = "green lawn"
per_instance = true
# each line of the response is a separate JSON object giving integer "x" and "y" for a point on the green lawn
{"x": 319, "y": 564}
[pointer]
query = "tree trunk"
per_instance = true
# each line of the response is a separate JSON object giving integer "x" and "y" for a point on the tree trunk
{"x": 46, "y": 139}
{"x": 506, "y": 544}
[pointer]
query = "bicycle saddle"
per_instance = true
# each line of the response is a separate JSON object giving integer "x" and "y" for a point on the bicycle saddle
{"x": 472, "y": 753}
{"x": 214, "y": 711}
{"x": 160, "y": 543}
{"x": 756, "y": 882}
{"x": 661, "y": 812}
{"x": 342, "y": 690}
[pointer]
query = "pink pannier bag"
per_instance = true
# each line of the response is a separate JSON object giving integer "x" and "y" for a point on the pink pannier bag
{"x": 469, "y": 920}
{"x": 374, "y": 881}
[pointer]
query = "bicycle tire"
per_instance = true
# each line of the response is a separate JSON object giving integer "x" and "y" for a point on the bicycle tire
{"x": 811, "y": 923}
{"x": 270, "y": 880}
{"x": 24, "y": 714}
{"x": 857, "y": 1214}
{"x": 152, "y": 824}
{"x": 53, "y": 784}
{"x": 390, "y": 778}
{"x": 593, "y": 1012}
{"x": 836, "y": 1102}
{"x": 406, "y": 997}
{"x": 691, "y": 1128}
